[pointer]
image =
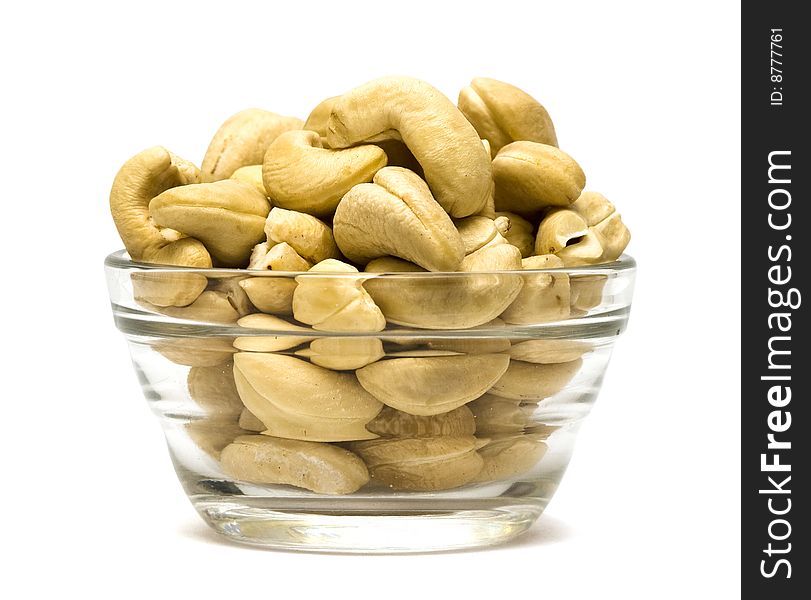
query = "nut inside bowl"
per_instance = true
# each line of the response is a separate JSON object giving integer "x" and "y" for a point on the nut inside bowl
{"x": 374, "y": 411}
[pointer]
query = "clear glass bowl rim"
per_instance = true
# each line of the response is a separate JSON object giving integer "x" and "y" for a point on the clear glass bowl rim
{"x": 121, "y": 260}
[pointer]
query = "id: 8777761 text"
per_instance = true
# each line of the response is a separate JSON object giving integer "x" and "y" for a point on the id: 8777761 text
{"x": 776, "y": 66}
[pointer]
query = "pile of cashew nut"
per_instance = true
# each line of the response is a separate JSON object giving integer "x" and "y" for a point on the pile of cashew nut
{"x": 390, "y": 177}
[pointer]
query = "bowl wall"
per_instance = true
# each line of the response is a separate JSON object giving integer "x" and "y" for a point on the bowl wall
{"x": 449, "y": 425}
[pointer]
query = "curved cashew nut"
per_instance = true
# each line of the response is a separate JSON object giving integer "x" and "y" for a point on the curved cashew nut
{"x": 319, "y": 117}
{"x": 421, "y": 464}
{"x": 299, "y": 400}
{"x": 503, "y": 113}
{"x": 530, "y": 382}
{"x": 457, "y": 167}
{"x": 271, "y": 343}
{"x": 242, "y": 140}
{"x": 396, "y": 151}
{"x": 586, "y": 291}
{"x": 531, "y": 176}
{"x": 310, "y": 237}
{"x": 396, "y": 215}
{"x": 321, "y": 468}
{"x": 544, "y": 297}
{"x": 209, "y": 307}
{"x": 549, "y": 351}
{"x": 227, "y": 216}
{"x": 560, "y": 228}
{"x": 300, "y": 174}
{"x": 507, "y": 457}
{"x": 335, "y": 303}
{"x": 451, "y": 302}
{"x": 195, "y": 352}
{"x": 344, "y": 354}
{"x": 452, "y": 380}
{"x": 589, "y": 232}
{"x": 520, "y": 233}
{"x": 140, "y": 179}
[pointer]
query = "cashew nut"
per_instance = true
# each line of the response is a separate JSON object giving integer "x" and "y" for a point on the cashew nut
{"x": 277, "y": 257}
{"x": 396, "y": 151}
{"x": 210, "y": 307}
{"x": 500, "y": 415}
{"x": 270, "y": 294}
{"x": 396, "y": 215}
{"x": 308, "y": 236}
{"x": 457, "y": 167}
{"x": 234, "y": 292}
{"x": 519, "y": 233}
{"x": 344, "y": 354}
{"x": 589, "y": 232}
{"x": 421, "y": 464}
{"x": 530, "y": 177}
{"x": 549, "y": 351}
{"x": 497, "y": 255}
{"x": 300, "y": 174}
{"x": 447, "y": 302}
{"x": 502, "y": 113}
{"x": 510, "y": 456}
{"x": 530, "y": 381}
{"x": 282, "y": 257}
{"x": 395, "y": 423}
{"x": 252, "y": 175}
{"x": 613, "y": 236}
{"x": 194, "y": 351}
{"x": 585, "y": 250}
{"x": 321, "y": 468}
{"x": 299, "y": 400}
{"x": 319, "y": 117}
{"x": 559, "y": 228}
{"x": 242, "y": 140}
{"x": 140, "y": 179}
{"x": 586, "y": 291}
{"x": 403, "y": 383}
{"x": 271, "y": 343}
{"x": 335, "y": 303}
{"x": 214, "y": 390}
{"x": 544, "y": 297}
{"x": 227, "y": 216}
{"x": 478, "y": 231}
{"x": 259, "y": 256}
{"x": 593, "y": 207}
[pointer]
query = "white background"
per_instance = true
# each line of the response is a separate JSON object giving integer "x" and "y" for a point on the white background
{"x": 644, "y": 94}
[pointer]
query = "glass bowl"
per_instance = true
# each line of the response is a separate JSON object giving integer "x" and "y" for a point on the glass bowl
{"x": 397, "y": 412}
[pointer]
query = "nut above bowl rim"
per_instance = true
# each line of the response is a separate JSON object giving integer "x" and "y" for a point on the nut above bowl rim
{"x": 121, "y": 260}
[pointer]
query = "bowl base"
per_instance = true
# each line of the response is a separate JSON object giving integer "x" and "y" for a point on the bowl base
{"x": 364, "y": 529}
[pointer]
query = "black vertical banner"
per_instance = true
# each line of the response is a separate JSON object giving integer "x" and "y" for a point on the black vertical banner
{"x": 776, "y": 229}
